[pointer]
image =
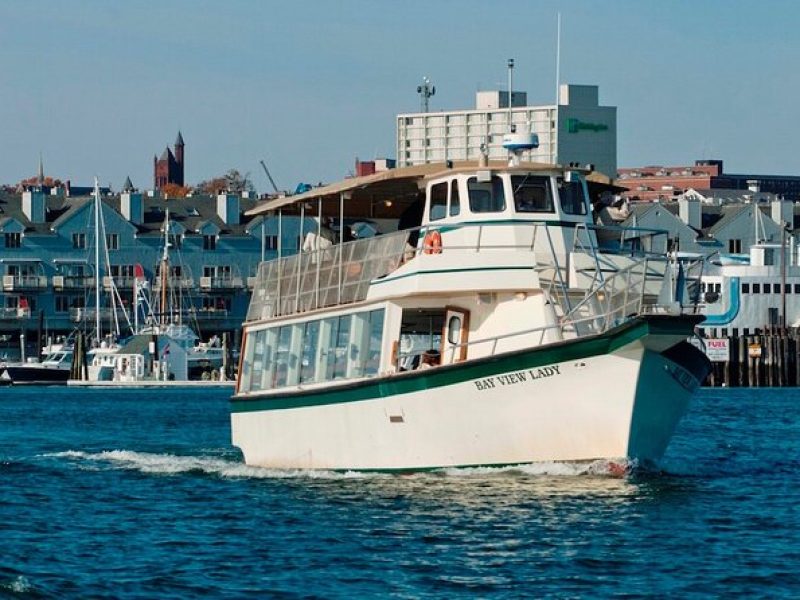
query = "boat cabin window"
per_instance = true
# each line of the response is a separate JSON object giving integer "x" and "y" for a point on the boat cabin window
{"x": 573, "y": 201}
{"x": 420, "y": 331}
{"x": 532, "y": 194}
{"x": 454, "y": 329}
{"x": 340, "y": 347}
{"x": 438, "y": 209}
{"x": 486, "y": 196}
{"x": 444, "y": 203}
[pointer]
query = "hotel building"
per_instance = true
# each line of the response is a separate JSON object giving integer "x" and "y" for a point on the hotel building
{"x": 577, "y": 129}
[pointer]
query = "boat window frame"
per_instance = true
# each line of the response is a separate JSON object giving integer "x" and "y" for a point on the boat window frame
{"x": 339, "y": 352}
{"x": 438, "y": 202}
{"x": 569, "y": 208}
{"x": 528, "y": 181}
{"x": 497, "y": 185}
{"x": 454, "y": 199}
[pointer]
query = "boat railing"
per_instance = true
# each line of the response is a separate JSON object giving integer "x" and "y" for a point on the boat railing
{"x": 589, "y": 324}
{"x": 341, "y": 273}
{"x": 338, "y": 274}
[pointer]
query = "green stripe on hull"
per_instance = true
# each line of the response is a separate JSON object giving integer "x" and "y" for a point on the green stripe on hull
{"x": 414, "y": 381}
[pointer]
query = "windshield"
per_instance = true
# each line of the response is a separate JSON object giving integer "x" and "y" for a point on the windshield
{"x": 486, "y": 196}
{"x": 532, "y": 194}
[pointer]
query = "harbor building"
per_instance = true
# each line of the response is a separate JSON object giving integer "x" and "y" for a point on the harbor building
{"x": 48, "y": 268}
{"x": 577, "y": 129}
{"x": 656, "y": 182}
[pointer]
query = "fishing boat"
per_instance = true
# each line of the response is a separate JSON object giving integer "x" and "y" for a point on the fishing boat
{"x": 495, "y": 331}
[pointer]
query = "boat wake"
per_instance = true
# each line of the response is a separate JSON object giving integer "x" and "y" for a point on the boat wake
{"x": 603, "y": 468}
{"x": 173, "y": 464}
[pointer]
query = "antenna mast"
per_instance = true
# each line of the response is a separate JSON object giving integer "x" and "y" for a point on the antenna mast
{"x": 558, "y": 56}
{"x": 511, "y": 127}
{"x": 516, "y": 143}
{"x": 425, "y": 91}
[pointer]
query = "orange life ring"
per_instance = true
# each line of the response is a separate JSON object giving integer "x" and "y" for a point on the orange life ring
{"x": 432, "y": 243}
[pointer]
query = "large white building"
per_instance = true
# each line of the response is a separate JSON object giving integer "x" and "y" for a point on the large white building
{"x": 577, "y": 130}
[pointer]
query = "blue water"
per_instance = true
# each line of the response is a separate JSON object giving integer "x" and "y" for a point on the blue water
{"x": 137, "y": 494}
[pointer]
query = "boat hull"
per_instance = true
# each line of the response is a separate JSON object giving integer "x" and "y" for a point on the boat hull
{"x": 34, "y": 375}
{"x": 615, "y": 396}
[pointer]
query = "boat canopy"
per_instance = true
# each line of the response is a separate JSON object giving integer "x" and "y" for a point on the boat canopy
{"x": 394, "y": 190}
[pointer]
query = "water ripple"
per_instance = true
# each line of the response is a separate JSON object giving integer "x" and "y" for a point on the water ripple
{"x": 132, "y": 496}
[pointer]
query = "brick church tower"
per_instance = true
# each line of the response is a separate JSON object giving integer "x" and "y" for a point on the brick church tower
{"x": 169, "y": 168}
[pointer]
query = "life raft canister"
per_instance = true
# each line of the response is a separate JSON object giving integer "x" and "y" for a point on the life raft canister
{"x": 432, "y": 243}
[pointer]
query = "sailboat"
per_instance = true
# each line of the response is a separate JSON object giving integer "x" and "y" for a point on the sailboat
{"x": 57, "y": 365}
{"x": 163, "y": 350}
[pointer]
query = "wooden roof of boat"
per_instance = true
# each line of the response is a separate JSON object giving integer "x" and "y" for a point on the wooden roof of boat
{"x": 395, "y": 189}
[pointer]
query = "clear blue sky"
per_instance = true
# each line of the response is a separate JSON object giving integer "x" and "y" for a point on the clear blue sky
{"x": 99, "y": 87}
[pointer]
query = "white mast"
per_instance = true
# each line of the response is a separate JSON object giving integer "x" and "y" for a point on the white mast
{"x": 164, "y": 274}
{"x": 97, "y": 259}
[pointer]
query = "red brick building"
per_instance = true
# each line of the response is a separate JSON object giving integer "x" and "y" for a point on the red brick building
{"x": 652, "y": 183}
{"x": 169, "y": 168}
{"x": 647, "y": 184}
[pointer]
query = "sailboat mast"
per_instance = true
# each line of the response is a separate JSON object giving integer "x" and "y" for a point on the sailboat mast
{"x": 97, "y": 259}
{"x": 164, "y": 269}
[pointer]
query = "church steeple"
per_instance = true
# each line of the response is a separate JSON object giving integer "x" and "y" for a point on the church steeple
{"x": 40, "y": 177}
{"x": 179, "y": 158}
{"x": 170, "y": 167}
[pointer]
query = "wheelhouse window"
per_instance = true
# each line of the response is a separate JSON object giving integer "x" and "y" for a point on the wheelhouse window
{"x": 486, "y": 196}
{"x": 570, "y": 193}
{"x": 532, "y": 194}
{"x": 438, "y": 209}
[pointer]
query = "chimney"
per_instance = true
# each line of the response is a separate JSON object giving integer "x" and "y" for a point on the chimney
{"x": 132, "y": 207}
{"x": 228, "y": 208}
{"x": 782, "y": 212}
{"x": 33, "y": 205}
{"x": 690, "y": 212}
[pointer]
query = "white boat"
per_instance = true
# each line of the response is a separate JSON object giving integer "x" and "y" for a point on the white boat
{"x": 163, "y": 350}
{"x": 549, "y": 348}
{"x": 53, "y": 369}
{"x": 746, "y": 297}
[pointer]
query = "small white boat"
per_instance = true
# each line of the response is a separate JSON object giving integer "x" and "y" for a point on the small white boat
{"x": 540, "y": 345}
